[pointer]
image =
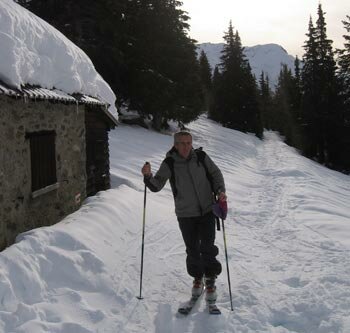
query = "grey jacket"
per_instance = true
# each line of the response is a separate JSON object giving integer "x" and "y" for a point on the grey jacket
{"x": 194, "y": 194}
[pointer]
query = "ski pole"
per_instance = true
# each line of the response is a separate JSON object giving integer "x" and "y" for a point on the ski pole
{"x": 143, "y": 240}
{"x": 227, "y": 268}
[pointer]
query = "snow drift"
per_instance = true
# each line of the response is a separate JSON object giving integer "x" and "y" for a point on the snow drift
{"x": 287, "y": 234}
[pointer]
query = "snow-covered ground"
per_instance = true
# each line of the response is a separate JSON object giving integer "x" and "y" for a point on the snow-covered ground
{"x": 288, "y": 237}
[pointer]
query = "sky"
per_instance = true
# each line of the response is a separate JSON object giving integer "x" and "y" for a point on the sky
{"x": 283, "y": 22}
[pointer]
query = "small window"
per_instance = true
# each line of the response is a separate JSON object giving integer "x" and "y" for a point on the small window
{"x": 43, "y": 159}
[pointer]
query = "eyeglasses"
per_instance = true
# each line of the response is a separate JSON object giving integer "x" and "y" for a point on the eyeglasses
{"x": 184, "y": 143}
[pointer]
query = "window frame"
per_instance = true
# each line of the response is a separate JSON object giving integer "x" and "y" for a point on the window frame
{"x": 43, "y": 166}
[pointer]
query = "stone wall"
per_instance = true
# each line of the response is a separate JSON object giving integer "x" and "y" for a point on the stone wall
{"x": 19, "y": 211}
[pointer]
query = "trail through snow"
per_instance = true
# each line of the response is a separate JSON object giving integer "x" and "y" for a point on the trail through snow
{"x": 288, "y": 243}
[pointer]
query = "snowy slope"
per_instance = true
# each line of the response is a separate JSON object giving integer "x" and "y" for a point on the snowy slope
{"x": 268, "y": 58}
{"x": 288, "y": 236}
{"x": 33, "y": 52}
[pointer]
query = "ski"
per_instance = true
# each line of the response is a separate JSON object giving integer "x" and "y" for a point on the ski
{"x": 187, "y": 308}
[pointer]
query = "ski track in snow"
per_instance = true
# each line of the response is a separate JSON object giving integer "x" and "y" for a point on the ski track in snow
{"x": 288, "y": 271}
{"x": 284, "y": 274}
{"x": 292, "y": 269}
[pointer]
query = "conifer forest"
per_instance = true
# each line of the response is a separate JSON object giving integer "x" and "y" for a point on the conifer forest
{"x": 143, "y": 50}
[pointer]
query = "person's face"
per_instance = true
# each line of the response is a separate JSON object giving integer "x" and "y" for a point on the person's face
{"x": 184, "y": 145}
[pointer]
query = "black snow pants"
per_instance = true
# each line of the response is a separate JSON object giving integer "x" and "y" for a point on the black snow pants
{"x": 199, "y": 237}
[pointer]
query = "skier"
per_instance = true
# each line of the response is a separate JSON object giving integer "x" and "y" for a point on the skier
{"x": 195, "y": 180}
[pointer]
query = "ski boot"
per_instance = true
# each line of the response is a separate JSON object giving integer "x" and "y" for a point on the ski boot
{"x": 211, "y": 295}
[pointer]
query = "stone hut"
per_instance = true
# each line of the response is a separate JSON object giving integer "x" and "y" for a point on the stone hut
{"x": 53, "y": 154}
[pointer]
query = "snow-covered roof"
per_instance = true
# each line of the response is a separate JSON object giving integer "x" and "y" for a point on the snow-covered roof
{"x": 34, "y": 53}
{"x": 38, "y": 93}
{"x": 4, "y": 89}
{"x": 48, "y": 94}
{"x": 42, "y": 93}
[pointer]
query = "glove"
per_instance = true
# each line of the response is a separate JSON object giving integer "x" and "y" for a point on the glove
{"x": 220, "y": 209}
{"x": 146, "y": 170}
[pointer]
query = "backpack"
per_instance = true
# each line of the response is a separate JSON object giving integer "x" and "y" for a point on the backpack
{"x": 200, "y": 160}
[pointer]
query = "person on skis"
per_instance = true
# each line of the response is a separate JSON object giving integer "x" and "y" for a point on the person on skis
{"x": 195, "y": 181}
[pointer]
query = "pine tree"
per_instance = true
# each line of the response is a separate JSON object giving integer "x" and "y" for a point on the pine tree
{"x": 285, "y": 108}
{"x": 297, "y": 91}
{"x": 141, "y": 48}
{"x": 344, "y": 76}
{"x": 164, "y": 79}
{"x": 344, "y": 65}
{"x": 205, "y": 70}
{"x": 320, "y": 102}
{"x": 265, "y": 100}
{"x": 215, "y": 105}
{"x": 205, "y": 73}
{"x": 236, "y": 96}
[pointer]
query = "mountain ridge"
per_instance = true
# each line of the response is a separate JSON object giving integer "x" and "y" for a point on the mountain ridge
{"x": 262, "y": 57}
